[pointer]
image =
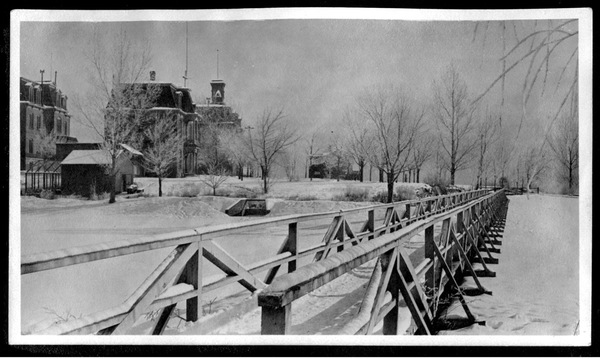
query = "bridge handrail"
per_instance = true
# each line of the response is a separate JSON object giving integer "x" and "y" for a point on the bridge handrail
{"x": 292, "y": 286}
{"x": 77, "y": 255}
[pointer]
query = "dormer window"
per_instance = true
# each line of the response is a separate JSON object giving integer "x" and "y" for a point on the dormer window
{"x": 179, "y": 99}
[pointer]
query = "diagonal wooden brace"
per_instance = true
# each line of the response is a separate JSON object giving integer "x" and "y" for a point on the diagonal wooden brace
{"x": 415, "y": 298}
{"x": 486, "y": 272}
{"x": 225, "y": 262}
{"x": 463, "y": 302}
{"x": 482, "y": 290}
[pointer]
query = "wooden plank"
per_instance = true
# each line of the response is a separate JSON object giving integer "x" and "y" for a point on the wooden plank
{"x": 154, "y": 285}
{"x": 225, "y": 262}
{"x": 388, "y": 267}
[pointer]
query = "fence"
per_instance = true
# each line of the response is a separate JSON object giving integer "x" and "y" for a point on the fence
{"x": 400, "y": 280}
{"x": 37, "y": 181}
{"x": 179, "y": 277}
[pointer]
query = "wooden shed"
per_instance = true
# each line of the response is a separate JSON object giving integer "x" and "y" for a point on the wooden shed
{"x": 86, "y": 171}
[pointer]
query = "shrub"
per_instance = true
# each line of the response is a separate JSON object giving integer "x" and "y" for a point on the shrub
{"x": 380, "y": 197}
{"x": 401, "y": 194}
{"x": 353, "y": 194}
{"x": 47, "y": 194}
{"x": 188, "y": 190}
{"x": 404, "y": 194}
{"x": 307, "y": 197}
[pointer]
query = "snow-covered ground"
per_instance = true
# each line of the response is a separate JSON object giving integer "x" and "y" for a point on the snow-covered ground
{"x": 535, "y": 291}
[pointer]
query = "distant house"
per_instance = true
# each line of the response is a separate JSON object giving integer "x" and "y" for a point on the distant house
{"x": 87, "y": 171}
{"x": 43, "y": 112}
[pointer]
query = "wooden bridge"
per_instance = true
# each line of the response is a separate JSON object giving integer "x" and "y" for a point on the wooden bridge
{"x": 461, "y": 232}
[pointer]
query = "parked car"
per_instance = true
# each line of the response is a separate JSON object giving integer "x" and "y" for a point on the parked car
{"x": 133, "y": 188}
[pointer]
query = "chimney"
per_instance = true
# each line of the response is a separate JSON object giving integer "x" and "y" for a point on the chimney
{"x": 55, "y": 73}
{"x": 152, "y": 75}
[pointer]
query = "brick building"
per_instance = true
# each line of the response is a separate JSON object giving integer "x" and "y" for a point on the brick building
{"x": 44, "y": 120}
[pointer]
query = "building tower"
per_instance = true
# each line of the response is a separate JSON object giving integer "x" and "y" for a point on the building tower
{"x": 218, "y": 91}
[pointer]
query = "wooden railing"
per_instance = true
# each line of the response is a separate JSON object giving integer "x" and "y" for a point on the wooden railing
{"x": 179, "y": 276}
{"x": 398, "y": 279}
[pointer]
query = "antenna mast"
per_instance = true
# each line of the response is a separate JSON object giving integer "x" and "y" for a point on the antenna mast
{"x": 185, "y": 76}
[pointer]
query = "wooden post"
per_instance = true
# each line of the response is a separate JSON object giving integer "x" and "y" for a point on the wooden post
{"x": 340, "y": 236}
{"x": 371, "y": 222}
{"x": 390, "y": 321}
{"x": 430, "y": 254}
{"x": 292, "y": 245}
{"x": 276, "y": 320}
{"x": 193, "y": 274}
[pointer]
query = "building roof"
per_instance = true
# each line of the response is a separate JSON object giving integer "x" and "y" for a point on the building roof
{"x": 87, "y": 157}
{"x": 166, "y": 96}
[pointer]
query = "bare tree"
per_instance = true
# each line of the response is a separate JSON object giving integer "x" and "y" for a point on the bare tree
{"x": 533, "y": 163}
{"x": 547, "y": 52}
{"x": 118, "y": 103}
{"x": 565, "y": 146}
{"x": 395, "y": 126}
{"x": 46, "y": 144}
{"x": 216, "y": 175}
{"x": 162, "y": 150}
{"x": 235, "y": 150}
{"x": 423, "y": 151}
{"x": 269, "y": 138}
{"x": 487, "y": 130}
{"x": 289, "y": 162}
{"x": 454, "y": 119}
{"x": 358, "y": 142}
{"x": 337, "y": 153}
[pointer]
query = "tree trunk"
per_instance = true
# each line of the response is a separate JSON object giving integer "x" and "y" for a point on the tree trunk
{"x": 390, "y": 187}
{"x": 418, "y": 175}
{"x": 452, "y": 172}
{"x": 265, "y": 175}
{"x": 380, "y": 175}
{"x": 362, "y": 170}
{"x": 113, "y": 190}
{"x": 159, "y": 186}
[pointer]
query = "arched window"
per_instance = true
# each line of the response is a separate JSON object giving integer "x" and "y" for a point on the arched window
{"x": 31, "y": 121}
{"x": 39, "y": 122}
{"x": 30, "y": 146}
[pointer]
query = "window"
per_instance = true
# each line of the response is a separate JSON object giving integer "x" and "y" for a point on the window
{"x": 58, "y": 125}
{"x": 30, "y": 146}
{"x": 31, "y": 121}
{"x": 66, "y": 131}
{"x": 39, "y": 122}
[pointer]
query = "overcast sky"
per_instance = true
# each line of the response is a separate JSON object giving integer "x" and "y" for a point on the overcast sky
{"x": 314, "y": 69}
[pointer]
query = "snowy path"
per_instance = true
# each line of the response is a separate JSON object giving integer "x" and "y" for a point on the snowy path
{"x": 536, "y": 288}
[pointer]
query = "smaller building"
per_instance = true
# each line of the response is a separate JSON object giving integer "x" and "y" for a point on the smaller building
{"x": 87, "y": 172}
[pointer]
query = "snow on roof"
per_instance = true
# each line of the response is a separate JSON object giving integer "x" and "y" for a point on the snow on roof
{"x": 87, "y": 157}
{"x": 131, "y": 149}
